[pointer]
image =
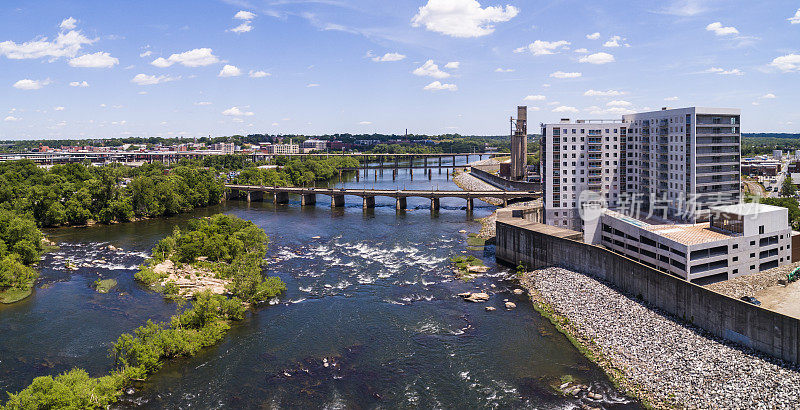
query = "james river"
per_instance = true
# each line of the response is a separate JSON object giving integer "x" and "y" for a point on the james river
{"x": 371, "y": 318}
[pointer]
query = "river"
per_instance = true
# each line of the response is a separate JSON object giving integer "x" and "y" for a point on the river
{"x": 371, "y": 318}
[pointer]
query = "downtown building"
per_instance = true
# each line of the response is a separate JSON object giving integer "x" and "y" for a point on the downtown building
{"x": 662, "y": 188}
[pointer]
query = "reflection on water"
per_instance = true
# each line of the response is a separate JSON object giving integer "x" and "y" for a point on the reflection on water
{"x": 370, "y": 318}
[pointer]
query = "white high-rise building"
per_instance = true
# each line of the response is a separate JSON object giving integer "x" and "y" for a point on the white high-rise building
{"x": 581, "y": 156}
{"x": 684, "y": 161}
{"x": 671, "y": 164}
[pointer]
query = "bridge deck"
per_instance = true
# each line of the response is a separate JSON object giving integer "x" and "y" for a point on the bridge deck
{"x": 394, "y": 193}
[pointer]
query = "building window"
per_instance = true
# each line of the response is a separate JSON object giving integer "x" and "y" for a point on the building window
{"x": 761, "y": 230}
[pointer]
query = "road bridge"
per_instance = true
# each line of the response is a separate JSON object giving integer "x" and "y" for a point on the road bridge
{"x": 308, "y": 196}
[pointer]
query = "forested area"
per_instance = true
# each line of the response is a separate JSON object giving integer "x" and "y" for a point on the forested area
{"x": 295, "y": 172}
{"x": 234, "y": 249}
{"x": 73, "y": 194}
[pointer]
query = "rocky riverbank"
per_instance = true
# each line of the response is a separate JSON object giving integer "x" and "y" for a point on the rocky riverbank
{"x": 652, "y": 356}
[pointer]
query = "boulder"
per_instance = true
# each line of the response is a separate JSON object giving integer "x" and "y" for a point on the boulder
{"x": 111, "y": 248}
{"x": 510, "y": 305}
{"x": 490, "y": 308}
{"x": 518, "y": 291}
{"x": 477, "y": 269}
{"x": 478, "y": 297}
{"x": 462, "y": 231}
{"x": 464, "y": 294}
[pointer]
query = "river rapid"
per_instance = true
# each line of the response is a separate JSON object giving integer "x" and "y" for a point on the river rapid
{"x": 371, "y": 318}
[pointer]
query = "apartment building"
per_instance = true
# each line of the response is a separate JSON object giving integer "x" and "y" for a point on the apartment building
{"x": 681, "y": 162}
{"x": 673, "y": 164}
{"x": 281, "y": 149}
{"x": 581, "y": 156}
{"x": 738, "y": 240}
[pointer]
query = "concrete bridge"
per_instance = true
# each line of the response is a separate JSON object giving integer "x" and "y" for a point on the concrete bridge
{"x": 308, "y": 196}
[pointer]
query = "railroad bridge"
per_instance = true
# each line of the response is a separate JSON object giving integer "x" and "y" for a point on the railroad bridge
{"x": 308, "y": 196}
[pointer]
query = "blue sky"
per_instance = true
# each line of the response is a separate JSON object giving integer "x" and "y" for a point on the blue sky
{"x": 118, "y": 68}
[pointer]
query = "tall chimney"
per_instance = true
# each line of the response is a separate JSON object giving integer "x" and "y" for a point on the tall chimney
{"x": 519, "y": 144}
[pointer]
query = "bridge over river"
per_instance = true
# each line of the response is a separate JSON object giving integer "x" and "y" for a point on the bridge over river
{"x": 308, "y": 196}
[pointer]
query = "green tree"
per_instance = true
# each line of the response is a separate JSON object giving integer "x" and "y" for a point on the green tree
{"x": 787, "y": 188}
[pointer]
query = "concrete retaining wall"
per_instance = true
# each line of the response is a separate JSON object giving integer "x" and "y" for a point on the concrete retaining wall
{"x": 503, "y": 183}
{"x": 764, "y": 330}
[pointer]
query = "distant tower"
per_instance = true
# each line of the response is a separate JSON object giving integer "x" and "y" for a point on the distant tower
{"x": 519, "y": 144}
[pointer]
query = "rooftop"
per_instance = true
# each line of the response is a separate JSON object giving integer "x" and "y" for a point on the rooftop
{"x": 746, "y": 209}
{"x": 686, "y": 234}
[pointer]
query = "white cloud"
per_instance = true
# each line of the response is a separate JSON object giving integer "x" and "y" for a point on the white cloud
{"x": 236, "y": 112}
{"x": 146, "y": 53}
{"x": 58, "y": 108}
{"x": 65, "y": 45}
{"x": 12, "y": 118}
{"x": 535, "y": 98}
{"x": 619, "y": 103}
{"x": 614, "y": 41}
{"x": 96, "y": 60}
{"x": 595, "y": 110}
{"x": 796, "y": 18}
{"x": 311, "y": 85}
{"x": 430, "y": 69}
{"x": 144, "y": 79}
{"x": 202, "y": 103}
{"x": 79, "y": 84}
{"x": 597, "y": 58}
{"x": 581, "y": 50}
{"x": 461, "y": 18}
{"x": 768, "y": 96}
{"x": 258, "y": 74}
{"x": 540, "y": 48}
{"x": 365, "y": 123}
{"x": 436, "y": 86}
{"x": 593, "y": 36}
{"x": 388, "y": 57}
{"x": 789, "y": 62}
{"x": 453, "y": 65}
{"x": 193, "y": 58}
{"x": 607, "y": 93}
{"x": 686, "y": 8}
{"x": 242, "y": 28}
{"x": 561, "y": 74}
{"x": 28, "y": 84}
{"x": 244, "y": 15}
{"x": 671, "y": 99}
{"x": 720, "y": 71}
{"x": 230, "y": 71}
{"x": 504, "y": 70}
{"x": 564, "y": 108}
{"x": 721, "y": 30}
{"x": 68, "y": 23}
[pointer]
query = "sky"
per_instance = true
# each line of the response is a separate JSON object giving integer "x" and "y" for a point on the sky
{"x": 91, "y": 69}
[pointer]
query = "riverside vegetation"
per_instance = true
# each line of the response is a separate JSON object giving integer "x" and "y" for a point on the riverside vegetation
{"x": 235, "y": 248}
{"x": 20, "y": 248}
{"x": 79, "y": 194}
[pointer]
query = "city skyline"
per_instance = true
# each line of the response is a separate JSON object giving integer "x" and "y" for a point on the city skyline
{"x": 433, "y": 66}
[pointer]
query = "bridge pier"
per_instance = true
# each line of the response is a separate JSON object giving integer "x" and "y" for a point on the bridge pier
{"x": 394, "y": 174}
{"x": 308, "y": 199}
{"x": 470, "y": 204}
{"x": 435, "y": 204}
{"x": 337, "y": 201}
{"x": 248, "y": 196}
{"x": 430, "y": 174}
{"x": 411, "y": 172}
{"x": 368, "y": 202}
{"x": 400, "y": 203}
{"x": 358, "y": 175}
{"x": 281, "y": 198}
